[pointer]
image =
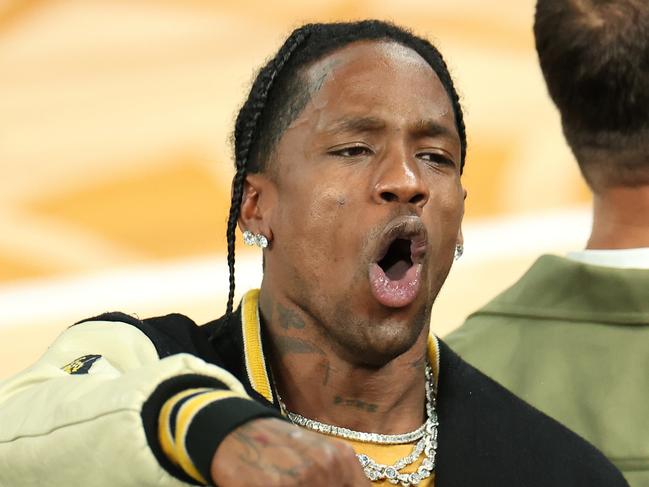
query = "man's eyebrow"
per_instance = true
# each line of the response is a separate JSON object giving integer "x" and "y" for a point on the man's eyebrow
{"x": 356, "y": 124}
{"x": 431, "y": 128}
{"x": 422, "y": 128}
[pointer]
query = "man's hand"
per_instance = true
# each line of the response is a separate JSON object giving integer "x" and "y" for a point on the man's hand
{"x": 272, "y": 453}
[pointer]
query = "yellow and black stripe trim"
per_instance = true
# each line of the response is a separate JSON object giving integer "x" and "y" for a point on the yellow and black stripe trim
{"x": 166, "y": 426}
{"x": 433, "y": 355}
{"x": 175, "y": 419}
{"x": 193, "y": 422}
{"x": 252, "y": 346}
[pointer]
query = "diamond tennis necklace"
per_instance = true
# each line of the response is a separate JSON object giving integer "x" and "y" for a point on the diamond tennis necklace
{"x": 426, "y": 435}
{"x": 362, "y": 436}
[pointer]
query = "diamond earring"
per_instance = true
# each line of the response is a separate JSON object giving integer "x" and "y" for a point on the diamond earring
{"x": 459, "y": 250}
{"x": 258, "y": 239}
{"x": 262, "y": 241}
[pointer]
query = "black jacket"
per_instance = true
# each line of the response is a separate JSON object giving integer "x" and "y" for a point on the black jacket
{"x": 487, "y": 436}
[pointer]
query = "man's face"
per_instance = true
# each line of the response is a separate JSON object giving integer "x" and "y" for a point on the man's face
{"x": 368, "y": 199}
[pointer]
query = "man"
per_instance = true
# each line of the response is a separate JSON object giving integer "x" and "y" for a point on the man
{"x": 349, "y": 152}
{"x": 572, "y": 336}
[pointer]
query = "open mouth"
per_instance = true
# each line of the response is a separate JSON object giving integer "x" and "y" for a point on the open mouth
{"x": 395, "y": 274}
{"x": 397, "y": 259}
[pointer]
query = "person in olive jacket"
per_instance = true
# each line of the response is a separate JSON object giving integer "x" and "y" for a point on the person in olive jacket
{"x": 572, "y": 336}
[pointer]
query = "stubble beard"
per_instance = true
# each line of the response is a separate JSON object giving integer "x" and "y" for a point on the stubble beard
{"x": 376, "y": 342}
{"x": 366, "y": 341}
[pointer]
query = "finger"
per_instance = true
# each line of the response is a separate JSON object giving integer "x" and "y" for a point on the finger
{"x": 327, "y": 458}
{"x": 359, "y": 478}
{"x": 351, "y": 470}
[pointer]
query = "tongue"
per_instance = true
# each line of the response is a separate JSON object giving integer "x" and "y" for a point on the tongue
{"x": 397, "y": 270}
{"x": 395, "y": 293}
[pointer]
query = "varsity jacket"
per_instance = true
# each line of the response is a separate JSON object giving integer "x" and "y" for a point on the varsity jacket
{"x": 572, "y": 339}
{"x": 87, "y": 412}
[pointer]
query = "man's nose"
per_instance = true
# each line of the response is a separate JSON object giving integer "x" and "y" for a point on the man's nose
{"x": 400, "y": 180}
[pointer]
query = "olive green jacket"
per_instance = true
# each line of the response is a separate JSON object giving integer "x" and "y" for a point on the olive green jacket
{"x": 573, "y": 340}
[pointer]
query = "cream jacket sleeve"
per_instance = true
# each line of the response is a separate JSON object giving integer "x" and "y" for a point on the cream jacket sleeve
{"x": 78, "y": 416}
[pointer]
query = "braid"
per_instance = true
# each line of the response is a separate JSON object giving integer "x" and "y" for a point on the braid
{"x": 279, "y": 94}
{"x": 237, "y": 193}
{"x": 244, "y": 136}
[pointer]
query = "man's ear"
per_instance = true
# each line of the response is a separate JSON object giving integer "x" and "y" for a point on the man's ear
{"x": 460, "y": 236}
{"x": 257, "y": 205}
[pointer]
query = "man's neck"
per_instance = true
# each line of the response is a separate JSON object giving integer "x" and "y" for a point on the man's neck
{"x": 620, "y": 218}
{"x": 314, "y": 381}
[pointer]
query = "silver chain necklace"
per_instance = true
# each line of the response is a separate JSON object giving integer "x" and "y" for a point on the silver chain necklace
{"x": 362, "y": 436}
{"x": 426, "y": 435}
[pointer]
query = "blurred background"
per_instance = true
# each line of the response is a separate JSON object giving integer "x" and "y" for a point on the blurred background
{"x": 115, "y": 160}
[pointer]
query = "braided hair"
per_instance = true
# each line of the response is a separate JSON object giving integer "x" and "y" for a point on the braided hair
{"x": 279, "y": 94}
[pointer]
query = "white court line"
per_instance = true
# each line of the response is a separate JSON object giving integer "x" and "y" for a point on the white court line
{"x": 526, "y": 234}
{"x": 128, "y": 290}
{"x": 202, "y": 280}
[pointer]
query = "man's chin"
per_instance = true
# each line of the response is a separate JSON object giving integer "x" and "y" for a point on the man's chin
{"x": 390, "y": 340}
{"x": 381, "y": 342}
{"x": 372, "y": 334}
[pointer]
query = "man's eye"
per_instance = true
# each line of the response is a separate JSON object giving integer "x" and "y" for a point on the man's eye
{"x": 353, "y": 151}
{"x": 436, "y": 158}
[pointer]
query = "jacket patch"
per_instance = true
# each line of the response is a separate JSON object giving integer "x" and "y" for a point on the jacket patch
{"x": 81, "y": 365}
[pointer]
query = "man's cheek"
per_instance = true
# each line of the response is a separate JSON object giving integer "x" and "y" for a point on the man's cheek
{"x": 328, "y": 206}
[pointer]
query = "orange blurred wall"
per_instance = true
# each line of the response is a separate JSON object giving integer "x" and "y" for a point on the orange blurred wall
{"x": 114, "y": 126}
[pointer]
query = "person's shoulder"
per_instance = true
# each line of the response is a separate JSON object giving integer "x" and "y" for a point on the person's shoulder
{"x": 170, "y": 334}
{"x": 499, "y": 323}
{"x": 495, "y": 438}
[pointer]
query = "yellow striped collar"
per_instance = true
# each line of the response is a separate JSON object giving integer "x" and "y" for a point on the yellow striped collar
{"x": 255, "y": 358}
{"x": 252, "y": 346}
